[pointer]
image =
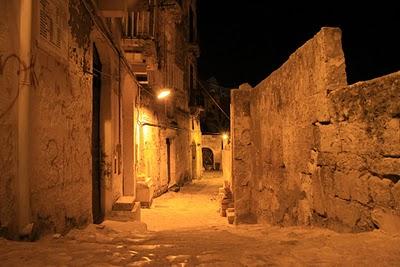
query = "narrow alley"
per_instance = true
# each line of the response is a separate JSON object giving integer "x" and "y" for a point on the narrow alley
{"x": 195, "y": 205}
{"x": 185, "y": 229}
{"x": 198, "y": 133}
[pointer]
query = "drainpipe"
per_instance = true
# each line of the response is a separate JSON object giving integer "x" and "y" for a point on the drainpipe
{"x": 22, "y": 185}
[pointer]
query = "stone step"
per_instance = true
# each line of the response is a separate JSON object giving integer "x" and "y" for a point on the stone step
{"x": 230, "y": 213}
{"x": 124, "y": 203}
{"x": 126, "y": 215}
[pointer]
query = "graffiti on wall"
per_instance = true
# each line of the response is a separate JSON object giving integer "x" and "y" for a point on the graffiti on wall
{"x": 24, "y": 68}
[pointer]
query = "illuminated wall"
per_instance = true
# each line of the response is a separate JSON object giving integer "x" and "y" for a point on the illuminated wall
{"x": 55, "y": 192}
{"x": 9, "y": 80}
{"x": 310, "y": 150}
{"x": 167, "y": 124}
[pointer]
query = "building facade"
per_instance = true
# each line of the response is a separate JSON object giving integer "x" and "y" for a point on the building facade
{"x": 160, "y": 42}
{"x": 79, "y": 117}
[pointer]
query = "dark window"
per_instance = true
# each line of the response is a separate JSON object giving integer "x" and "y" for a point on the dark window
{"x": 192, "y": 35}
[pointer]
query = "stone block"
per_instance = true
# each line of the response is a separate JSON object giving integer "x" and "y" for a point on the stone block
{"x": 354, "y": 138}
{"x": 396, "y": 196}
{"x": 124, "y": 203}
{"x": 386, "y": 220}
{"x": 359, "y": 191}
{"x": 222, "y": 212}
{"x": 380, "y": 191}
{"x": 349, "y": 162}
{"x": 319, "y": 198}
{"x": 391, "y": 137}
{"x": 145, "y": 192}
{"x": 29, "y": 232}
{"x": 326, "y": 159}
{"x": 230, "y": 214}
{"x": 304, "y": 212}
{"x": 326, "y": 175}
{"x": 386, "y": 167}
{"x": 242, "y": 205}
{"x": 123, "y": 215}
{"x": 344, "y": 182}
{"x": 329, "y": 139}
{"x": 346, "y": 212}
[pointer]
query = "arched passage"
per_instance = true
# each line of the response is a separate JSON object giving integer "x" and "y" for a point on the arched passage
{"x": 208, "y": 158}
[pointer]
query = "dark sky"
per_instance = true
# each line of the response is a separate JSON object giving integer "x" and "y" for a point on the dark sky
{"x": 244, "y": 41}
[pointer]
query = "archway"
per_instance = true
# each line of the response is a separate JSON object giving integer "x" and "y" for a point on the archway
{"x": 208, "y": 158}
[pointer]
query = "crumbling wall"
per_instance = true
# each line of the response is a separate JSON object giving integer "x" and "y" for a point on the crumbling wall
{"x": 57, "y": 194}
{"x": 358, "y": 160}
{"x": 61, "y": 108}
{"x": 10, "y": 72}
{"x": 242, "y": 146}
{"x": 317, "y": 151}
{"x": 284, "y": 109}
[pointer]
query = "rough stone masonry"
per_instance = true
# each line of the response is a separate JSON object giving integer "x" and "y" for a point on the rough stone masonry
{"x": 308, "y": 149}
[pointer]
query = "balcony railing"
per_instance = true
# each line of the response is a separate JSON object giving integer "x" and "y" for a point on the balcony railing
{"x": 139, "y": 24}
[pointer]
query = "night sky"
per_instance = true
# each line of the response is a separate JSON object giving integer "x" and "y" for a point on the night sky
{"x": 244, "y": 41}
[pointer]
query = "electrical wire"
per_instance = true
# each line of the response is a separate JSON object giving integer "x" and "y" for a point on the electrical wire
{"x": 212, "y": 98}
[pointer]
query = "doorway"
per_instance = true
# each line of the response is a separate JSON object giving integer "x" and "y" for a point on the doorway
{"x": 168, "y": 142}
{"x": 194, "y": 161}
{"x": 208, "y": 159}
{"x": 98, "y": 215}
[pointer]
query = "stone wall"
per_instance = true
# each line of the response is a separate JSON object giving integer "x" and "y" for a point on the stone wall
{"x": 9, "y": 87}
{"x": 153, "y": 131}
{"x": 242, "y": 157}
{"x": 61, "y": 108}
{"x": 298, "y": 155}
{"x": 57, "y": 192}
{"x": 358, "y": 160}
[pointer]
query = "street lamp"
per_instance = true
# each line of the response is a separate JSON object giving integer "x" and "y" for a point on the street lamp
{"x": 163, "y": 93}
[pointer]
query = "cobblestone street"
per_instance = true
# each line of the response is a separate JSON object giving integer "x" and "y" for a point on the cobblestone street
{"x": 190, "y": 232}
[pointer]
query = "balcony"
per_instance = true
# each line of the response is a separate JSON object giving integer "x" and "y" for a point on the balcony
{"x": 139, "y": 44}
{"x": 141, "y": 60}
{"x": 139, "y": 25}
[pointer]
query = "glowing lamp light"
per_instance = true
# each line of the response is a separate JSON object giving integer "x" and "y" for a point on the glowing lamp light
{"x": 225, "y": 136}
{"x": 163, "y": 94}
